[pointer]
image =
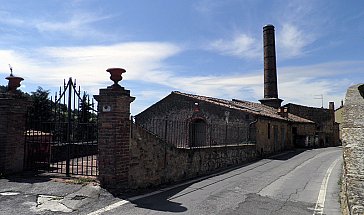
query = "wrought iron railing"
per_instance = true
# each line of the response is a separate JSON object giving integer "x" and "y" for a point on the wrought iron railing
{"x": 198, "y": 134}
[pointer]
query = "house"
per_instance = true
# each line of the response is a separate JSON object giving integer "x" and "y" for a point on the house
{"x": 339, "y": 118}
{"x": 327, "y": 130}
{"x": 191, "y": 121}
{"x": 208, "y": 121}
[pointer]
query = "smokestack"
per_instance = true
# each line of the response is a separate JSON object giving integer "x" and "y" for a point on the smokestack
{"x": 270, "y": 69}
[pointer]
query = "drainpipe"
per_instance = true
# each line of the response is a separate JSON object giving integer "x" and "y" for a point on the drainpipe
{"x": 250, "y": 125}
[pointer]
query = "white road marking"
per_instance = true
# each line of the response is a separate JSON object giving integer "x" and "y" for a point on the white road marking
{"x": 320, "y": 204}
{"x": 9, "y": 193}
{"x": 109, "y": 207}
{"x": 123, "y": 202}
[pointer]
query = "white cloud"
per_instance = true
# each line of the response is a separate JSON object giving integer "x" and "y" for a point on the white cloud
{"x": 142, "y": 60}
{"x": 74, "y": 23}
{"x": 241, "y": 45}
{"x": 292, "y": 41}
{"x": 78, "y": 25}
{"x": 9, "y": 19}
{"x": 146, "y": 65}
{"x": 206, "y": 6}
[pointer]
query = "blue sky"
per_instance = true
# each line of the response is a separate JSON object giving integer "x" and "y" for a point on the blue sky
{"x": 204, "y": 47}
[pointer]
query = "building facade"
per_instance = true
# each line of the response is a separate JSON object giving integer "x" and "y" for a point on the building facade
{"x": 188, "y": 120}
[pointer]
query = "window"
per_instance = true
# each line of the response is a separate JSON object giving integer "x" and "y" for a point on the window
{"x": 198, "y": 133}
{"x": 268, "y": 130}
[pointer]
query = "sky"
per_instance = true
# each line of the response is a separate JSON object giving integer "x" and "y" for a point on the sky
{"x": 205, "y": 47}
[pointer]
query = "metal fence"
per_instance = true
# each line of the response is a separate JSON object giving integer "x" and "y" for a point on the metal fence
{"x": 61, "y": 133}
{"x": 198, "y": 133}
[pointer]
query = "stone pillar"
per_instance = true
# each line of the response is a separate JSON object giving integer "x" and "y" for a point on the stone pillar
{"x": 114, "y": 136}
{"x": 13, "y": 109}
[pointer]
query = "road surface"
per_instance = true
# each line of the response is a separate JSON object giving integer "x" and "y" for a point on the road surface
{"x": 300, "y": 182}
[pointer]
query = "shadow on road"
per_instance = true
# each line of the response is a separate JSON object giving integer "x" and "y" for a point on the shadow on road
{"x": 162, "y": 201}
{"x": 27, "y": 177}
{"x": 288, "y": 155}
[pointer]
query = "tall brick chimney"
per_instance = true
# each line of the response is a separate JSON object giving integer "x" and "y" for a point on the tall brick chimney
{"x": 270, "y": 70}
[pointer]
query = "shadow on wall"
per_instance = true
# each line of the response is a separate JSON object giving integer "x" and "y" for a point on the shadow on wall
{"x": 361, "y": 90}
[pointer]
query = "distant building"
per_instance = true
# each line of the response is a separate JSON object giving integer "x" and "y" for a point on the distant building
{"x": 197, "y": 121}
{"x": 327, "y": 130}
{"x": 339, "y": 118}
{"x": 269, "y": 128}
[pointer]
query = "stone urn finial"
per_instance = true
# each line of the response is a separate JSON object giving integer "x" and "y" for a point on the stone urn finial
{"x": 116, "y": 76}
{"x": 14, "y": 82}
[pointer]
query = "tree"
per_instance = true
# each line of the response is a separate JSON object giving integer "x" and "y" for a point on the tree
{"x": 40, "y": 110}
{"x": 86, "y": 120}
{"x": 3, "y": 89}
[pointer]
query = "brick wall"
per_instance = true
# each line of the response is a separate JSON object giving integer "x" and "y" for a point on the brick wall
{"x": 114, "y": 136}
{"x": 12, "y": 127}
{"x": 154, "y": 162}
{"x": 353, "y": 143}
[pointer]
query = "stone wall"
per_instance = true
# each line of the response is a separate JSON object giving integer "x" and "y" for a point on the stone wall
{"x": 154, "y": 162}
{"x": 267, "y": 144}
{"x": 182, "y": 110}
{"x": 353, "y": 143}
{"x": 327, "y": 130}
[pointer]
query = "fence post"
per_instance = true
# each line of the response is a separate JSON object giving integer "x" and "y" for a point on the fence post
{"x": 165, "y": 141}
{"x": 114, "y": 133}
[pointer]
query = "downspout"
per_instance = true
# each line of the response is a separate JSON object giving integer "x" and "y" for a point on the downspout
{"x": 250, "y": 125}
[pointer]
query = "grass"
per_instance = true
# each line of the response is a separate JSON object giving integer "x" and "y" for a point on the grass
{"x": 83, "y": 181}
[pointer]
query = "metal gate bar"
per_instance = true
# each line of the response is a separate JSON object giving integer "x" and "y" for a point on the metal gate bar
{"x": 66, "y": 140}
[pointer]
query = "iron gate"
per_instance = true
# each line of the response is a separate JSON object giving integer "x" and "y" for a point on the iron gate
{"x": 61, "y": 134}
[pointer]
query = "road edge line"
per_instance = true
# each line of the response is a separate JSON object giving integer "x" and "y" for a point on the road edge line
{"x": 320, "y": 203}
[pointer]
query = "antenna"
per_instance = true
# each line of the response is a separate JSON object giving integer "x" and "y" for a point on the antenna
{"x": 322, "y": 99}
{"x": 11, "y": 70}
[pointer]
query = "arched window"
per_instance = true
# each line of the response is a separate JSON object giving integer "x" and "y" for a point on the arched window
{"x": 198, "y": 133}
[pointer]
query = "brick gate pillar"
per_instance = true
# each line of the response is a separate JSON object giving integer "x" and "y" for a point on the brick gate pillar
{"x": 13, "y": 108}
{"x": 114, "y": 133}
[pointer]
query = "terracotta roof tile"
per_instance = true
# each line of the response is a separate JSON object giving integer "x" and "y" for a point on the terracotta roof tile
{"x": 246, "y": 106}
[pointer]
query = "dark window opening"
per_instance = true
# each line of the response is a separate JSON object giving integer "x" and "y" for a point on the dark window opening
{"x": 198, "y": 133}
{"x": 268, "y": 130}
{"x": 294, "y": 130}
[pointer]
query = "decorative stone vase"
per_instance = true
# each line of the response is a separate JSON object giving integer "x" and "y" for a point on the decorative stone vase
{"x": 14, "y": 82}
{"x": 116, "y": 76}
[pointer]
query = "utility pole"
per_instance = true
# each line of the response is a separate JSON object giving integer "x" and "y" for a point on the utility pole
{"x": 322, "y": 99}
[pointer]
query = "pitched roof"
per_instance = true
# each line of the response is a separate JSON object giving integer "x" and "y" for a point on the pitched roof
{"x": 249, "y": 107}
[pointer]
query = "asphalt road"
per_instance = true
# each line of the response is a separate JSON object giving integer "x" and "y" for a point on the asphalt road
{"x": 287, "y": 184}
{"x": 295, "y": 183}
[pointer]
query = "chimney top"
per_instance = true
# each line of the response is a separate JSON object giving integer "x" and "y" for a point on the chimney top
{"x": 331, "y": 105}
{"x": 268, "y": 26}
